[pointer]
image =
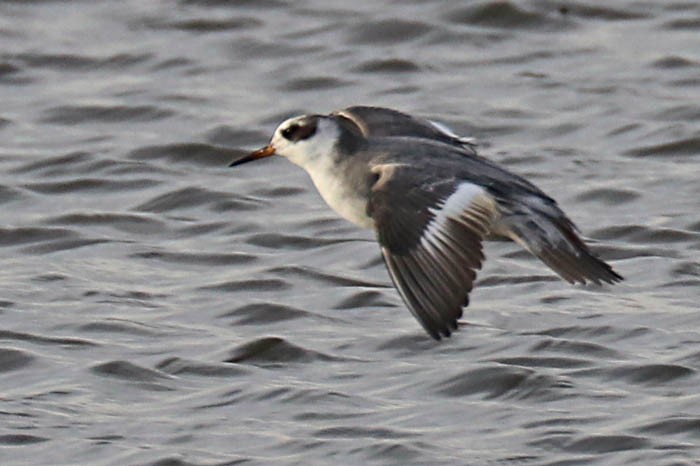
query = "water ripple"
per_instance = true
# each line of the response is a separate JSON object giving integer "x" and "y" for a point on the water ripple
{"x": 75, "y": 62}
{"x": 505, "y": 15}
{"x": 387, "y": 32}
{"x": 131, "y": 223}
{"x": 285, "y": 241}
{"x": 688, "y": 147}
{"x": 149, "y": 379}
{"x": 89, "y": 184}
{"x": 13, "y": 359}
{"x": 44, "y": 340}
{"x": 265, "y": 314}
{"x": 388, "y": 65}
{"x": 188, "y": 197}
{"x": 258, "y": 285}
{"x": 76, "y": 114}
{"x": 642, "y": 374}
{"x": 21, "y": 439}
{"x": 194, "y": 153}
{"x": 504, "y": 382}
{"x": 179, "y": 366}
{"x": 208, "y": 260}
{"x": 689, "y": 425}
{"x": 17, "y": 236}
{"x": 272, "y": 351}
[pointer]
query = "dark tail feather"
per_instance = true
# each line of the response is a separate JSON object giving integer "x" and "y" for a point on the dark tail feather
{"x": 554, "y": 241}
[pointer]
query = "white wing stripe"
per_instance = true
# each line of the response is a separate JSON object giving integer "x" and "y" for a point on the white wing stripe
{"x": 446, "y": 130}
{"x": 459, "y": 206}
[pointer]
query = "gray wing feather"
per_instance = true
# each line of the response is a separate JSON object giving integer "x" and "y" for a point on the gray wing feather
{"x": 552, "y": 237}
{"x": 526, "y": 214}
{"x": 379, "y": 122}
{"x": 432, "y": 258}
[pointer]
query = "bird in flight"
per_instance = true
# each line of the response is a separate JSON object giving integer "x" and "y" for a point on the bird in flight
{"x": 431, "y": 201}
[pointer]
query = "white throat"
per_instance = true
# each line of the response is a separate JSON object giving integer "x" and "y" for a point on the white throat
{"x": 338, "y": 192}
{"x": 317, "y": 155}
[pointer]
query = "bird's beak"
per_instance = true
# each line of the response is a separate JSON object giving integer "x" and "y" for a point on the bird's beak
{"x": 258, "y": 154}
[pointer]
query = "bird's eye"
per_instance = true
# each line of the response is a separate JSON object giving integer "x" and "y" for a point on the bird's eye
{"x": 289, "y": 131}
{"x": 298, "y": 131}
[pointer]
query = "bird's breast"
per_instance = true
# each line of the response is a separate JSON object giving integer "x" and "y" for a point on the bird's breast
{"x": 342, "y": 193}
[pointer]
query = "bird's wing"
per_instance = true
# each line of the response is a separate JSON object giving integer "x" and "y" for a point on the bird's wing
{"x": 541, "y": 227}
{"x": 379, "y": 122}
{"x": 431, "y": 234}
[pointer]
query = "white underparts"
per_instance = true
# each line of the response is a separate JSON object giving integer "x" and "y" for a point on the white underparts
{"x": 338, "y": 194}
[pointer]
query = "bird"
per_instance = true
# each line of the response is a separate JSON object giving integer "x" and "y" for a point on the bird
{"x": 431, "y": 201}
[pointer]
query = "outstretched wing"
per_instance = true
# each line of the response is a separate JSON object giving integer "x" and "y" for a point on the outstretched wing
{"x": 431, "y": 234}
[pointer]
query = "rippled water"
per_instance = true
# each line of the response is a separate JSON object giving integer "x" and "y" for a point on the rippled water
{"x": 158, "y": 308}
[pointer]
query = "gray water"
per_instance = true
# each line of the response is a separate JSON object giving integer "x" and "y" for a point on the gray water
{"x": 159, "y": 308}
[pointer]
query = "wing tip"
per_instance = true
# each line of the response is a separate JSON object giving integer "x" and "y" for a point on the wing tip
{"x": 609, "y": 276}
{"x": 445, "y": 331}
{"x": 590, "y": 269}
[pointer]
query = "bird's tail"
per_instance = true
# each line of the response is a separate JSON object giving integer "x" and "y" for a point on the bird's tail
{"x": 544, "y": 230}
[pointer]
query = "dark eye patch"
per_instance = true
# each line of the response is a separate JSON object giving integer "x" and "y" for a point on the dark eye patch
{"x": 302, "y": 129}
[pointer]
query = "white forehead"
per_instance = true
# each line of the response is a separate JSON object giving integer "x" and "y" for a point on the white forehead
{"x": 302, "y": 152}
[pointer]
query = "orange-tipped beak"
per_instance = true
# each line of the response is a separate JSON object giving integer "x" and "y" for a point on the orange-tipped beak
{"x": 258, "y": 154}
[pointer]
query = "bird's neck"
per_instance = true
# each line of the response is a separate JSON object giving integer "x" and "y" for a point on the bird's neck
{"x": 344, "y": 187}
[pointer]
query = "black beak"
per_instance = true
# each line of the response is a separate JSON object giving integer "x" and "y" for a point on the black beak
{"x": 258, "y": 154}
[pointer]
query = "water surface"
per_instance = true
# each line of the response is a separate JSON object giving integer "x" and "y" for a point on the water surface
{"x": 159, "y": 308}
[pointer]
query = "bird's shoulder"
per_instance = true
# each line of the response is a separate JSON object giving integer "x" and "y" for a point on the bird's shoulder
{"x": 372, "y": 122}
